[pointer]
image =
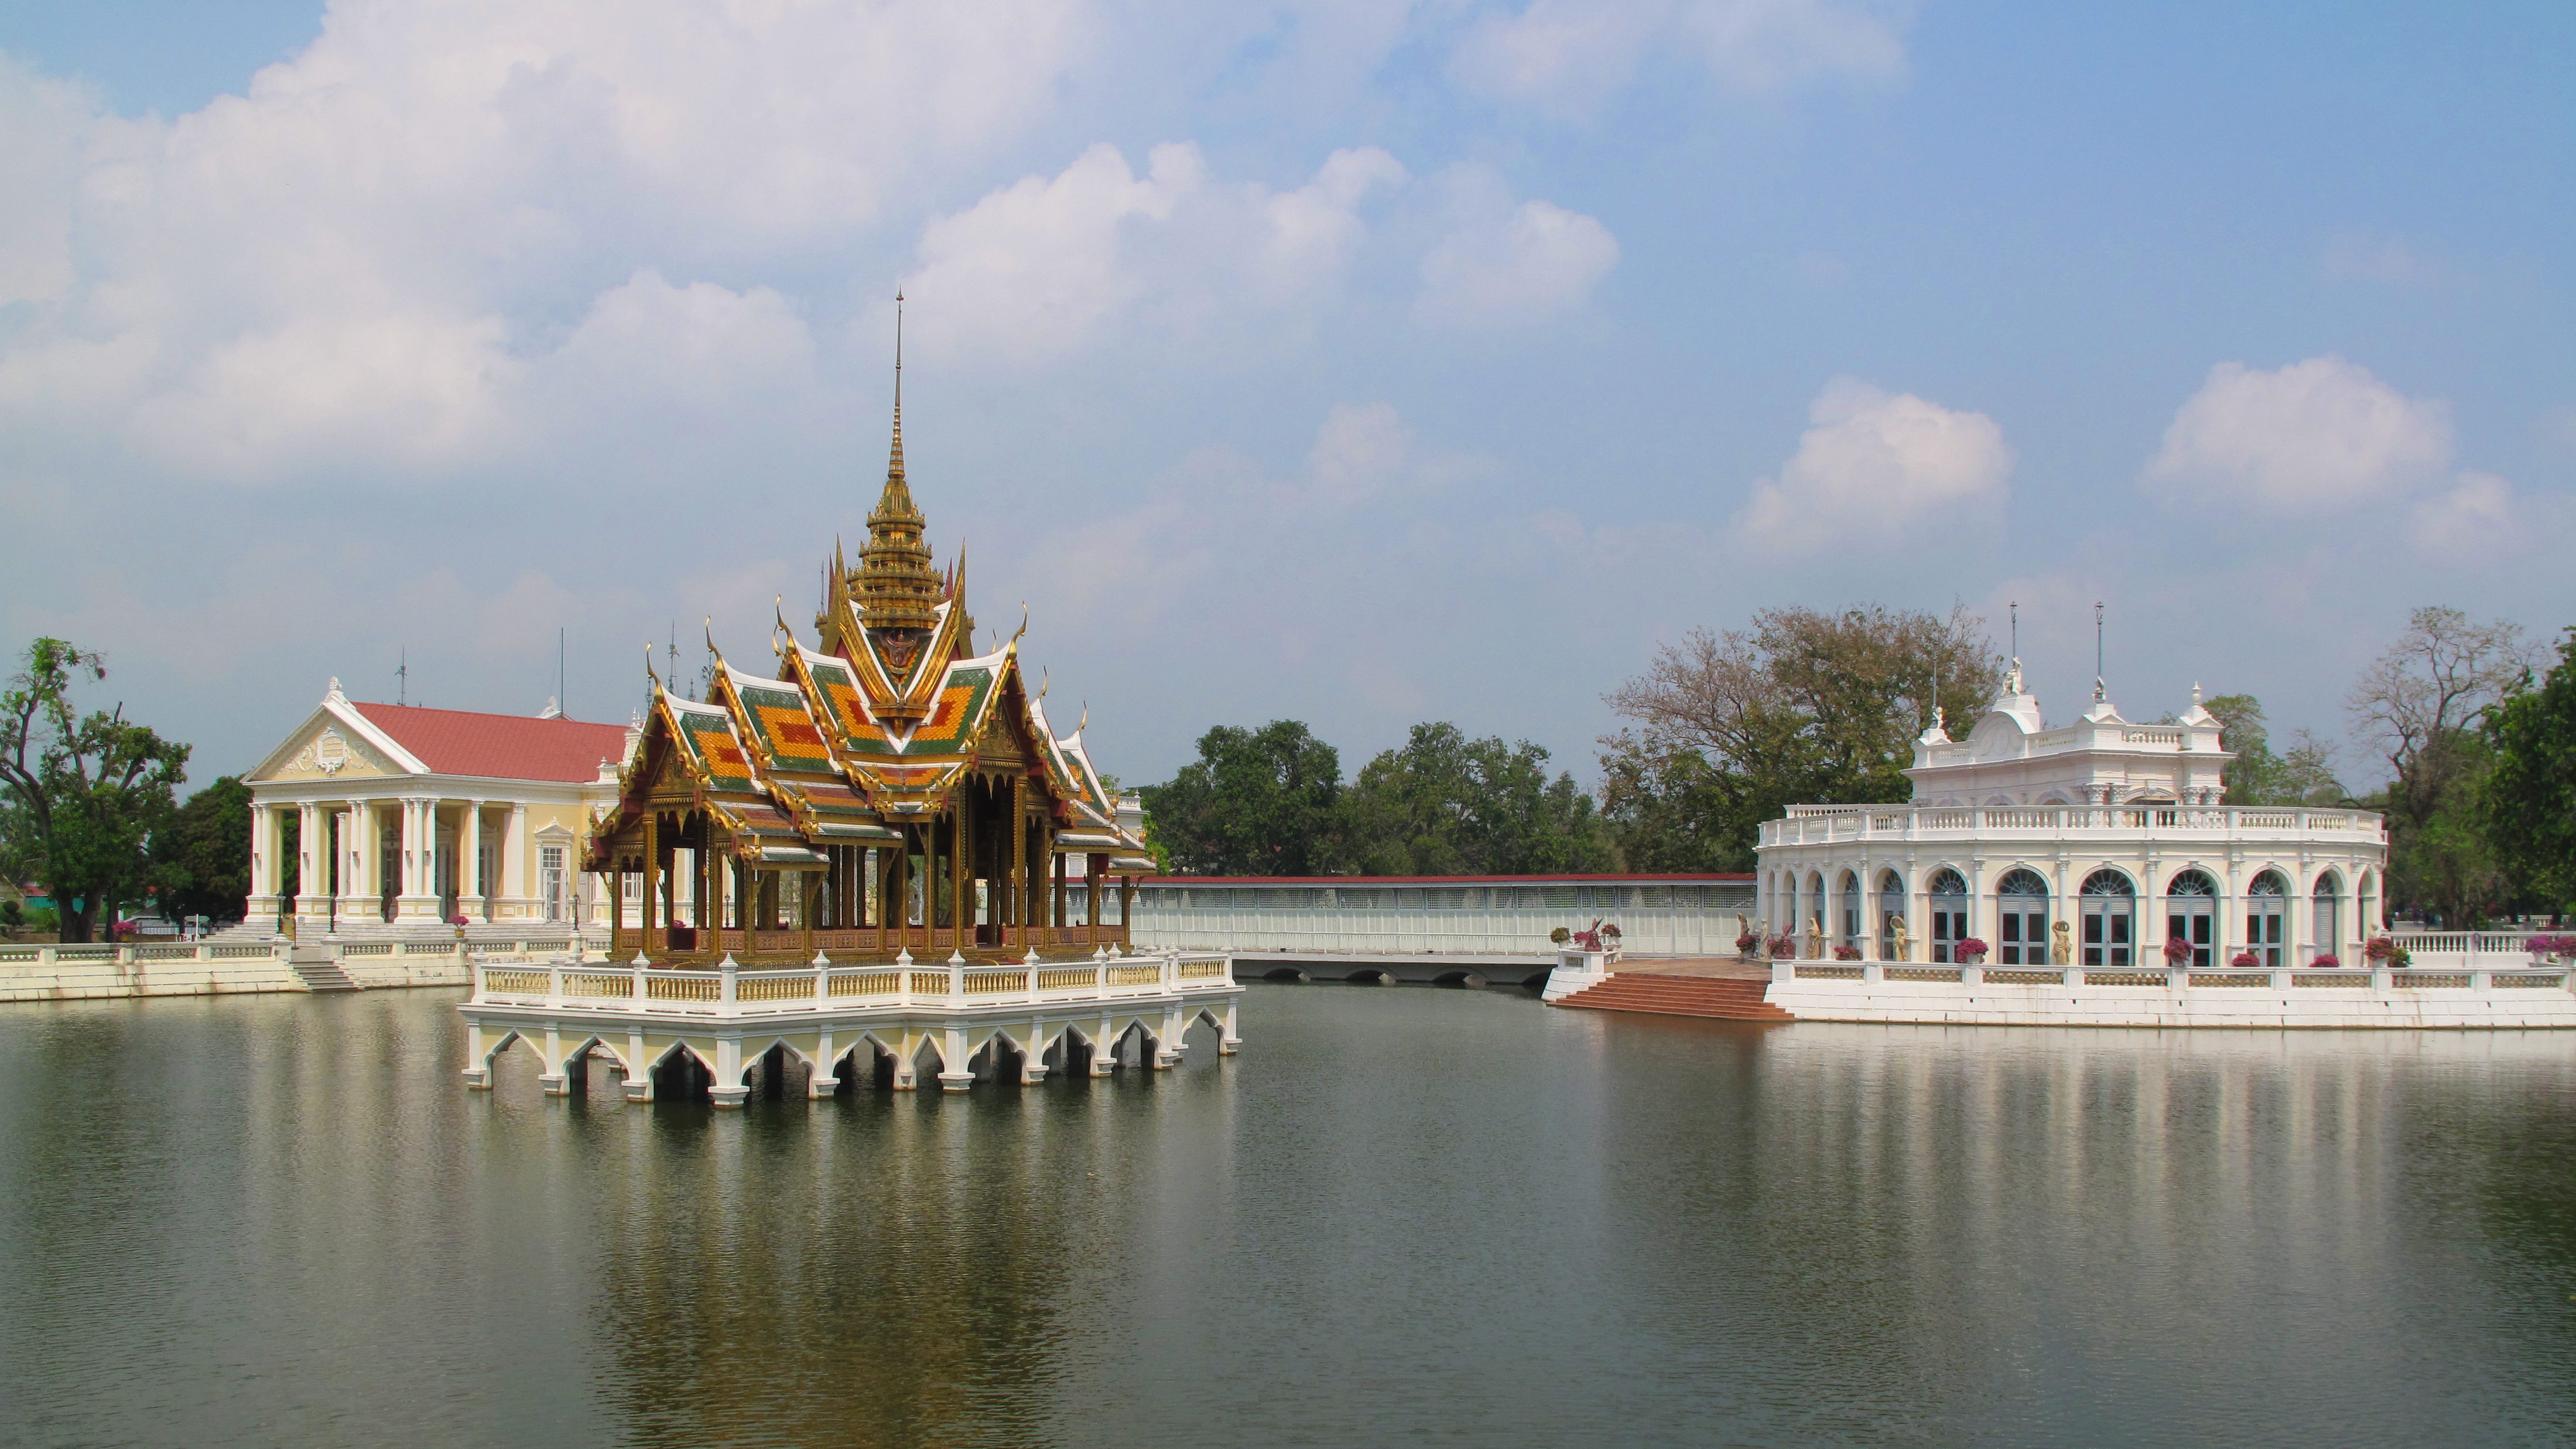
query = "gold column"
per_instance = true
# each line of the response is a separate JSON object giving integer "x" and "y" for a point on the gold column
{"x": 1019, "y": 905}
{"x": 652, "y": 858}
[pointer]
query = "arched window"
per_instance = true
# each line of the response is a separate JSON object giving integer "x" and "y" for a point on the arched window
{"x": 1847, "y": 897}
{"x": 2325, "y": 920}
{"x": 1949, "y": 915}
{"x": 1891, "y": 906}
{"x": 2267, "y": 908}
{"x": 2191, "y": 915}
{"x": 2021, "y": 925}
{"x": 2109, "y": 905}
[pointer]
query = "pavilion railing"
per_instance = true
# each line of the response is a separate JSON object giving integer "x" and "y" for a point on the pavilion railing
{"x": 655, "y": 991}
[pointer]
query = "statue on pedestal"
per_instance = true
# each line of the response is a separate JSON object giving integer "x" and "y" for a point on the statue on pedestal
{"x": 1815, "y": 940}
{"x": 1744, "y": 929}
{"x": 2061, "y": 944}
{"x": 1899, "y": 938}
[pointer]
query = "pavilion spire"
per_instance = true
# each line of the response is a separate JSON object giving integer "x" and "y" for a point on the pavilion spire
{"x": 897, "y": 587}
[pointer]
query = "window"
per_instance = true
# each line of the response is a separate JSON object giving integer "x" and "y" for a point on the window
{"x": 2109, "y": 907}
{"x": 1949, "y": 915}
{"x": 2021, "y": 926}
{"x": 1849, "y": 890}
{"x": 2191, "y": 915}
{"x": 551, "y": 882}
{"x": 2325, "y": 926}
{"x": 2267, "y": 901}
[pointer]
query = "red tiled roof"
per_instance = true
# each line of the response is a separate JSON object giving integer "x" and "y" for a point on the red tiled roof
{"x": 499, "y": 746}
{"x": 1440, "y": 880}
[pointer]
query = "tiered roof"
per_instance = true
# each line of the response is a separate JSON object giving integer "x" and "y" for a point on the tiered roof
{"x": 875, "y": 728}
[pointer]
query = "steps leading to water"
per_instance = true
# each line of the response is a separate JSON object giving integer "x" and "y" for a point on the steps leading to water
{"x": 1718, "y": 997}
{"x": 323, "y": 975}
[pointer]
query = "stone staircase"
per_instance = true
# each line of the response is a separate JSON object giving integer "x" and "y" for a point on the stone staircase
{"x": 321, "y": 973}
{"x": 1718, "y": 997}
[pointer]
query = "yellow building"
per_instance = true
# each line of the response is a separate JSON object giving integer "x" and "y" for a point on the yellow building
{"x": 376, "y": 818}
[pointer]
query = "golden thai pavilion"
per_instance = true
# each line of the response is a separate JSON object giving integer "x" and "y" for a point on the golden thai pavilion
{"x": 889, "y": 790}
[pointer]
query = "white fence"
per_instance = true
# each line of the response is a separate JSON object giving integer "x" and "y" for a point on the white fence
{"x": 658, "y": 993}
{"x": 1654, "y": 919}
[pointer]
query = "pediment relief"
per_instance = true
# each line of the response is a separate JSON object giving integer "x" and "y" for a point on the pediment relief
{"x": 333, "y": 752}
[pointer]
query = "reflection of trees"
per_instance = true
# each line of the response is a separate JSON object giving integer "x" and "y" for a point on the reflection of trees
{"x": 2510, "y": 1162}
{"x": 884, "y": 1269}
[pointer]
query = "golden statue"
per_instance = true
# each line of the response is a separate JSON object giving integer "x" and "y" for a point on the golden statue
{"x": 1899, "y": 937}
{"x": 2061, "y": 944}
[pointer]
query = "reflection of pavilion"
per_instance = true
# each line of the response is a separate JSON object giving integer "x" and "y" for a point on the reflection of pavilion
{"x": 2092, "y": 844}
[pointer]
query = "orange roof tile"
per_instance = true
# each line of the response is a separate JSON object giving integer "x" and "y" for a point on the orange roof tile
{"x": 499, "y": 746}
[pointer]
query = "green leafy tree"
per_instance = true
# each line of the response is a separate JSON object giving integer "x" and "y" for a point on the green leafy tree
{"x": 85, "y": 792}
{"x": 201, "y": 863}
{"x": 1255, "y": 802}
{"x": 2530, "y": 796}
{"x": 1728, "y": 730}
{"x": 2304, "y": 775}
{"x": 1448, "y": 805}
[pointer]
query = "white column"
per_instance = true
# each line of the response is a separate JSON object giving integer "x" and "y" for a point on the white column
{"x": 262, "y": 904}
{"x": 514, "y": 863}
{"x": 352, "y": 848}
{"x": 469, "y": 861}
{"x": 419, "y": 900}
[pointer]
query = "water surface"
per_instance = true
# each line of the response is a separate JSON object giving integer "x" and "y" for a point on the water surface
{"x": 1401, "y": 1216}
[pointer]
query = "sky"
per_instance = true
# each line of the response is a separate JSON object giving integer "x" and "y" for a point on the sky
{"x": 1363, "y": 364}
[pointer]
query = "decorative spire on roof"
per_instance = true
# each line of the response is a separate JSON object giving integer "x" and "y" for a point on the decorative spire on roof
{"x": 897, "y": 588}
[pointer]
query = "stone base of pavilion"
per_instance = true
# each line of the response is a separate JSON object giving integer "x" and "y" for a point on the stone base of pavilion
{"x": 733, "y": 1029}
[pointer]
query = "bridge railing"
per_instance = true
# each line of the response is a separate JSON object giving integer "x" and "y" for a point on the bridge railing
{"x": 825, "y": 987}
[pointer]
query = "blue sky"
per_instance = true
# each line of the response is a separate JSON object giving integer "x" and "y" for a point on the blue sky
{"x": 1361, "y": 364}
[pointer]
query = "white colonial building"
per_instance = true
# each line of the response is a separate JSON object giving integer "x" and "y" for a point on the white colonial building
{"x": 376, "y": 817}
{"x": 2091, "y": 844}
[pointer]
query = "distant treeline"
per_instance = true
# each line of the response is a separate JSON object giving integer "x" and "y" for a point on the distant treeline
{"x": 1726, "y": 730}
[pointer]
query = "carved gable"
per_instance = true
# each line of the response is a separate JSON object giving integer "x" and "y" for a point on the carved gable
{"x": 329, "y": 750}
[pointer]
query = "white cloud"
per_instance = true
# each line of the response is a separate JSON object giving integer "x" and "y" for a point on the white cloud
{"x": 2475, "y": 514}
{"x": 1028, "y": 272}
{"x": 353, "y": 262}
{"x": 1873, "y": 464}
{"x": 2315, "y": 435}
{"x": 1568, "y": 55}
{"x": 1047, "y": 266}
{"x": 1502, "y": 265}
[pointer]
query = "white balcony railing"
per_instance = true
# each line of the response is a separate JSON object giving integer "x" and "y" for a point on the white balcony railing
{"x": 824, "y": 987}
{"x": 1827, "y": 824}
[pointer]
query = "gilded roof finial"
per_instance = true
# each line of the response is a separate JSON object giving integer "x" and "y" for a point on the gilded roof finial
{"x": 897, "y": 587}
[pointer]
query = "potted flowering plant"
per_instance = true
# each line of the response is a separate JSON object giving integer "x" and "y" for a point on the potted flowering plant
{"x": 2550, "y": 948}
{"x": 1747, "y": 944}
{"x": 2326, "y": 961}
{"x": 1971, "y": 952}
{"x": 1560, "y": 935}
{"x": 2243, "y": 961}
{"x": 2384, "y": 952}
{"x": 1599, "y": 938}
{"x": 2177, "y": 952}
{"x": 1782, "y": 946}
{"x": 458, "y": 921}
{"x": 1846, "y": 953}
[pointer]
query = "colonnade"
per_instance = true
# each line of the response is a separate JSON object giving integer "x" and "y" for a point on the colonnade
{"x": 2328, "y": 907}
{"x": 378, "y": 859}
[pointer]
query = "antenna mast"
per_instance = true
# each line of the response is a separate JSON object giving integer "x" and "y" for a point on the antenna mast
{"x": 402, "y": 677}
{"x": 2100, "y": 691}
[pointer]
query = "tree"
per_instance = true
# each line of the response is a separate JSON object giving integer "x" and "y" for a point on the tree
{"x": 2424, "y": 707}
{"x": 1448, "y": 805}
{"x": 2530, "y": 799}
{"x": 201, "y": 863}
{"x": 1255, "y": 802}
{"x": 2304, "y": 776}
{"x": 85, "y": 792}
{"x": 1806, "y": 707}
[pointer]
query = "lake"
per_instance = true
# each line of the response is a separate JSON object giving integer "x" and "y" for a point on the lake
{"x": 1400, "y": 1216}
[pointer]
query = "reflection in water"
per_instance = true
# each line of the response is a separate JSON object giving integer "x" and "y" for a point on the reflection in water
{"x": 1408, "y": 1214}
